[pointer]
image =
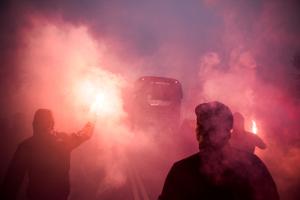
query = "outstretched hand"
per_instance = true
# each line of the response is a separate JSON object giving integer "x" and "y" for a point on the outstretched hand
{"x": 87, "y": 130}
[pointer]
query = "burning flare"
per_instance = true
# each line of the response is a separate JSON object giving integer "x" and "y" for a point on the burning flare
{"x": 101, "y": 95}
{"x": 102, "y": 103}
{"x": 254, "y": 127}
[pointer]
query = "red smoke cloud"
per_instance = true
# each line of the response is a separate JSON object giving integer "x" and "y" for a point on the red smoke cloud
{"x": 237, "y": 53}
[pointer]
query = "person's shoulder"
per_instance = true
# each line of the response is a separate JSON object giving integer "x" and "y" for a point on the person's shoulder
{"x": 188, "y": 161}
{"x": 249, "y": 135}
{"x": 246, "y": 158}
{"x": 240, "y": 153}
{"x": 26, "y": 143}
{"x": 61, "y": 136}
{"x": 251, "y": 156}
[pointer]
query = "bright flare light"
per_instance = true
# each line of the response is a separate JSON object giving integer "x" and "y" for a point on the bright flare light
{"x": 254, "y": 127}
{"x": 103, "y": 103}
{"x": 101, "y": 95}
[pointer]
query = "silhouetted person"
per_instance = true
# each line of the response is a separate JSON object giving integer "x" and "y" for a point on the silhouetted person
{"x": 242, "y": 139}
{"x": 45, "y": 158}
{"x": 218, "y": 171}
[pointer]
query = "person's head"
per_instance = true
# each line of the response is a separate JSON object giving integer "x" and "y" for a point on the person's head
{"x": 214, "y": 124}
{"x": 238, "y": 121}
{"x": 43, "y": 122}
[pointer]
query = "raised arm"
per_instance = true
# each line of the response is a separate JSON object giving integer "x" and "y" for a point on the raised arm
{"x": 260, "y": 143}
{"x": 75, "y": 139}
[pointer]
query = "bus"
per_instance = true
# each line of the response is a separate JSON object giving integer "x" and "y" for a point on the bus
{"x": 156, "y": 102}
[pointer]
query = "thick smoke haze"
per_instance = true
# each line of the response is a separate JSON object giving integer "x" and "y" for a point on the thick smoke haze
{"x": 57, "y": 54}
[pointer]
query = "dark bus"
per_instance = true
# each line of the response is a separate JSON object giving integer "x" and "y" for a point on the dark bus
{"x": 156, "y": 102}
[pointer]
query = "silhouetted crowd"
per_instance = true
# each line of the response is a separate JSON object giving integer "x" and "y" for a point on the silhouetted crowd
{"x": 223, "y": 168}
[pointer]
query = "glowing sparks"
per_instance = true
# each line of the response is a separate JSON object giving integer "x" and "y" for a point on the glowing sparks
{"x": 254, "y": 127}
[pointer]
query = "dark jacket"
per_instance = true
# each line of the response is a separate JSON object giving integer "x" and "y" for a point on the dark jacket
{"x": 46, "y": 160}
{"x": 227, "y": 175}
{"x": 246, "y": 141}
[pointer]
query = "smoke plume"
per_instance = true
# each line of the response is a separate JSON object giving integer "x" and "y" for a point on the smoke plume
{"x": 57, "y": 54}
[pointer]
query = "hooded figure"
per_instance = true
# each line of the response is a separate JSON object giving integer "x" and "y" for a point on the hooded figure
{"x": 218, "y": 171}
{"x": 242, "y": 139}
{"x": 45, "y": 158}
